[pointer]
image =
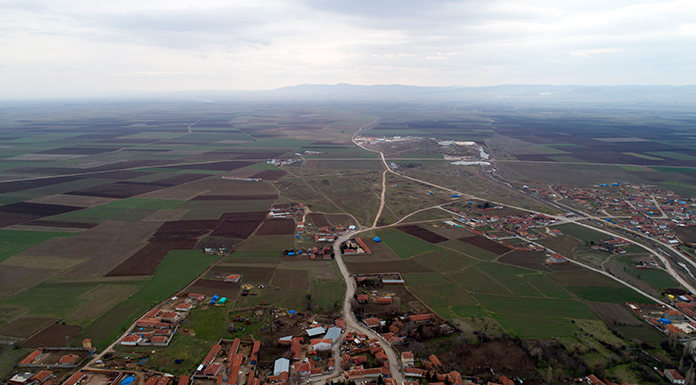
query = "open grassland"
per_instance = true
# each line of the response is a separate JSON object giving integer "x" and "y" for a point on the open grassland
{"x": 404, "y": 245}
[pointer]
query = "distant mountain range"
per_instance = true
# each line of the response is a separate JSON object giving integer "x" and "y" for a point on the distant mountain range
{"x": 503, "y": 94}
{"x": 589, "y": 96}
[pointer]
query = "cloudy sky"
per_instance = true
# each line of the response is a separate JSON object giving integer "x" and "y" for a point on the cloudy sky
{"x": 60, "y": 47}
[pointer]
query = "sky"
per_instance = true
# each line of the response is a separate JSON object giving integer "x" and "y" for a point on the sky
{"x": 65, "y": 47}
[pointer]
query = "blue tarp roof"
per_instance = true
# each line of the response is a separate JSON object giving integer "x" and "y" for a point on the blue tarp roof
{"x": 376, "y": 239}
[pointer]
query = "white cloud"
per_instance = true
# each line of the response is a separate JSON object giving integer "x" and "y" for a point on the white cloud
{"x": 64, "y": 45}
{"x": 587, "y": 52}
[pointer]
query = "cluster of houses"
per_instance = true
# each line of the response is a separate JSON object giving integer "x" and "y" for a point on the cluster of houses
{"x": 611, "y": 245}
{"x": 641, "y": 208}
{"x": 158, "y": 326}
{"x": 286, "y": 210}
{"x": 315, "y": 253}
{"x": 672, "y": 322}
{"x": 480, "y": 221}
{"x": 57, "y": 358}
{"x": 329, "y": 233}
{"x": 355, "y": 246}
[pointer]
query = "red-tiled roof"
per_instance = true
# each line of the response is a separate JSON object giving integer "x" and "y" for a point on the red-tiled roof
{"x": 31, "y": 357}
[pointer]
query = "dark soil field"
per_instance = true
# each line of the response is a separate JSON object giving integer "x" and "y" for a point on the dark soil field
{"x": 189, "y": 225}
{"x": 235, "y": 229}
{"x": 25, "y": 327}
{"x": 36, "y": 183}
{"x": 53, "y": 336}
{"x": 422, "y": 233}
{"x": 74, "y": 225}
{"x": 402, "y": 266}
{"x": 277, "y": 227}
{"x": 121, "y": 175}
{"x": 319, "y": 220}
{"x": 214, "y": 166}
{"x": 270, "y": 174}
{"x": 500, "y": 355}
{"x": 485, "y": 244}
{"x": 234, "y": 197}
{"x": 246, "y": 216}
{"x": 340, "y": 219}
{"x": 79, "y": 150}
{"x": 534, "y": 260}
{"x": 119, "y": 190}
{"x": 294, "y": 280}
{"x": 9, "y": 219}
{"x": 40, "y": 209}
{"x": 451, "y": 232}
{"x": 180, "y": 179}
{"x": 614, "y": 313}
{"x": 686, "y": 234}
{"x": 211, "y": 287}
{"x": 261, "y": 154}
{"x": 146, "y": 260}
{"x": 380, "y": 252}
{"x": 533, "y": 158}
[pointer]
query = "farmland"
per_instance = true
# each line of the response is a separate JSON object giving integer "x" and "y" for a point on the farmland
{"x": 105, "y": 212}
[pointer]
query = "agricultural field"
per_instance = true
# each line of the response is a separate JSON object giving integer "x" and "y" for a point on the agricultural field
{"x": 104, "y": 212}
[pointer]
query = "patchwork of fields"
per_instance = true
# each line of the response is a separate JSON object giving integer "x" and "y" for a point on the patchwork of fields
{"x": 459, "y": 275}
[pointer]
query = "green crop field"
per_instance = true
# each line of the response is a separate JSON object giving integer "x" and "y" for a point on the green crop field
{"x": 14, "y": 241}
{"x": 582, "y": 233}
{"x": 469, "y": 250}
{"x": 115, "y": 321}
{"x": 607, "y": 294}
{"x": 51, "y": 299}
{"x": 445, "y": 261}
{"x": 213, "y": 209}
{"x": 404, "y": 245}
{"x": 416, "y": 279}
{"x": 560, "y": 308}
{"x": 253, "y": 256}
{"x": 511, "y": 277}
{"x": 673, "y": 155}
{"x": 177, "y": 269}
{"x": 656, "y": 278}
{"x": 546, "y": 286}
{"x": 327, "y": 293}
{"x": 443, "y": 294}
{"x": 478, "y": 282}
{"x": 536, "y": 327}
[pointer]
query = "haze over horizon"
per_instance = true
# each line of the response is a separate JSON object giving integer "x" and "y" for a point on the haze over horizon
{"x": 65, "y": 48}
